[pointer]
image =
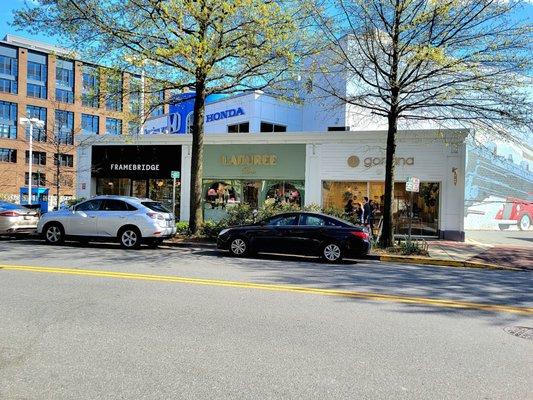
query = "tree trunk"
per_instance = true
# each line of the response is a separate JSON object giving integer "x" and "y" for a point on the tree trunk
{"x": 197, "y": 157}
{"x": 387, "y": 230}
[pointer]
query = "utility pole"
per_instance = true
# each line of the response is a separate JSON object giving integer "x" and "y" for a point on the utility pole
{"x": 31, "y": 122}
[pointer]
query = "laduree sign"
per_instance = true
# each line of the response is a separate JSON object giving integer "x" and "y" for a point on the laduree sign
{"x": 268, "y": 161}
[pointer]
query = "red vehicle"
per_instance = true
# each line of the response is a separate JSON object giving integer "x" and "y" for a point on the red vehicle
{"x": 516, "y": 212}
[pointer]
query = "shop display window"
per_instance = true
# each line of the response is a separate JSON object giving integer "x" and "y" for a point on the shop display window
{"x": 113, "y": 186}
{"x": 347, "y": 196}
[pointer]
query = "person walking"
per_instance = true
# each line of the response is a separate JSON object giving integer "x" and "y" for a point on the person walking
{"x": 368, "y": 214}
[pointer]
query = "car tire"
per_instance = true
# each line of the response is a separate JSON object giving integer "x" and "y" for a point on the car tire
{"x": 239, "y": 247}
{"x": 332, "y": 252}
{"x": 129, "y": 237}
{"x": 525, "y": 223}
{"x": 54, "y": 233}
{"x": 503, "y": 226}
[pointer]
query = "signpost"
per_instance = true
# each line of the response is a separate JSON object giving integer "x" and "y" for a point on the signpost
{"x": 174, "y": 175}
{"x": 412, "y": 185}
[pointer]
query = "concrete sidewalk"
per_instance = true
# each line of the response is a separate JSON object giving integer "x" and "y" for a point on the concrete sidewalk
{"x": 510, "y": 256}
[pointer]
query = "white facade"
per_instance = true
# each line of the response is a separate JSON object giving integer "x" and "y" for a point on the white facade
{"x": 432, "y": 157}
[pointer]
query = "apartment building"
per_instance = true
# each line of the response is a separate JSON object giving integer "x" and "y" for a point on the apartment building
{"x": 43, "y": 81}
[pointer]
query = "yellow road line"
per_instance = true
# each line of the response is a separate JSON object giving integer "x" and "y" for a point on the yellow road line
{"x": 279, "y": 288}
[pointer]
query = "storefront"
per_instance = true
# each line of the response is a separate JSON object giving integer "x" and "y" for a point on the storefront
{"x": 140, "y": 171}
{"x": 348, "y": 172}
{"x": 252, "y": 174}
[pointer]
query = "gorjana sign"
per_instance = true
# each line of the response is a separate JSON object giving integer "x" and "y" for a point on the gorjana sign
{"x": 233, "y": 112}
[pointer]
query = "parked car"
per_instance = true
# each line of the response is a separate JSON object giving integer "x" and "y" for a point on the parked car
{"x": 16, "y": 219}
{"x": 128, "y": 220}
{"x": 516, "y": 212}
{"x": 300, "y": 233}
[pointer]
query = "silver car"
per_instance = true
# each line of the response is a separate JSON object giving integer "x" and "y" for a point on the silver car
{"x": 15, "y": 219}
{"x": 128, "y": 220}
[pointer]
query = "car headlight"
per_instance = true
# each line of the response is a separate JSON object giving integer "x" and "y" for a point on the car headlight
{"x": 223, "y": 231}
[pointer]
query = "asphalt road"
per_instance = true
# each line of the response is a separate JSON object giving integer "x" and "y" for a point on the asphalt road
{"x": 194, "y": 333}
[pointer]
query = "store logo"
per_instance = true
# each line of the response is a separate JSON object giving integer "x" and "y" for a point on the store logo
{"x": 249, "y": 159}
{"x": 353, "y": 161}
{"x": 377, "y": 161}
{"x": 234, "y": 112}
{"x": 134, "y": 167}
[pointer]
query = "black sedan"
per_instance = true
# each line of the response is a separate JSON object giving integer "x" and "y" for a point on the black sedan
{"x": 299, "y": 233}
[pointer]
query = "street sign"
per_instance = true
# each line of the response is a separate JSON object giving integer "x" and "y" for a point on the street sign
{"x": 175, "y": 174}
{"x": 412, "y": 184}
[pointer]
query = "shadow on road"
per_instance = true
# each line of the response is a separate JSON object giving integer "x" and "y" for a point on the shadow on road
{"x": 471, "y": 285}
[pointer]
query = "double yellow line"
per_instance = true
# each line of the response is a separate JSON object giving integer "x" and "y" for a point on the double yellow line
{"x": 277, "y": 288}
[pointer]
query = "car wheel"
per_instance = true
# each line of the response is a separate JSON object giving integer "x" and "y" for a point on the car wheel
{"x": 525, "y": 223}
{"x": 54, "y": 234}
{"x": 130, "y": 237}
{"x": 503, "y": 226}
{"x": 332, "y": 252}
{"x": 239, "y": 247}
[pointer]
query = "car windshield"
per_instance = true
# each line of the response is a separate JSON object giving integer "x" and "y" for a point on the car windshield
{"x": 155, "y": 206}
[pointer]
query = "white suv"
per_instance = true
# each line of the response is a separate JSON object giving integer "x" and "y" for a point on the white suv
{"x": 129, "y": 220}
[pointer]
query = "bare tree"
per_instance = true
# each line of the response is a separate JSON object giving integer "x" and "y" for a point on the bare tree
{"x": 451, "y": 63}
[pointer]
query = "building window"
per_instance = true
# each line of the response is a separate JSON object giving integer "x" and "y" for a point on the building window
{"x": 38, "y": 157}
{"x": 90, "y": 89}
{"x": 65, "y": 81}
{"x": 39, "y": 134}
{"x": 64, "y": 160}
{"x": 338, "y": 128}
{"x": 37, "y": 75}
{"x": 113, "y": 126}
{"x": 135, "y": 95}
{"x": 8, "y": 120}
{"x": 157, "y": 107}
{"x": 8, "y": 69}
{"x": 113, "y": 100}
{"x": 8, "y": 155}
{"x": 37, "y": 179}
{"x": 243, "y": 127}
{"x": 89, "y": 124}
{"x": 64, "y": 127}
{"x": 269, "y": 127}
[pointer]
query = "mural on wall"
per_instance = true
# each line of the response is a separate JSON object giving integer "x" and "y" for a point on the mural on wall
{"x": 499, "y": 187}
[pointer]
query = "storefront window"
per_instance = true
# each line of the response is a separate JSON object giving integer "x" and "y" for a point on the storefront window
{"x": 221, "y": 195}
{"x": 113, "y": 186}
{"x": 425, "y": 222}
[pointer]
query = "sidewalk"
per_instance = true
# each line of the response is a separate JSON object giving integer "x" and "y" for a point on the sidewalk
{"x": 510, "y": 256}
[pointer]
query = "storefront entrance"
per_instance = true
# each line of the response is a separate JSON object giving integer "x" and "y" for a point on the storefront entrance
{"x": 140, "y": 171}
{"x": 336, "y": 195}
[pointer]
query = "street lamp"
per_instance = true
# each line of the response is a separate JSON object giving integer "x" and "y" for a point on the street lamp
{"x": 31, "y": 122}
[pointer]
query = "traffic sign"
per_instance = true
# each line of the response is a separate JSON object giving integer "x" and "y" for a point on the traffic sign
{"x": 412, "y": 184}
{"x": 175, "y": 174}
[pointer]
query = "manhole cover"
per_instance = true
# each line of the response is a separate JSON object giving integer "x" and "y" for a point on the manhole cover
{"x": 520, "y": 331}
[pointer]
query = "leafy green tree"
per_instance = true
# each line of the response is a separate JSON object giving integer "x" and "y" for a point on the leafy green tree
{"x": 208, "y": 46}
{"x": 448, "y": 63}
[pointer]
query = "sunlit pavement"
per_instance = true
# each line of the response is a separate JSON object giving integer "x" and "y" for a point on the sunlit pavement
{"x": 116, "y": 331}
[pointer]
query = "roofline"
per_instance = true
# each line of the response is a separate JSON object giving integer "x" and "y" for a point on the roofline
{"x": 36, "y": 45}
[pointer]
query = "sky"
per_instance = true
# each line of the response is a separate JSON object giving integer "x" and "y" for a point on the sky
{"x": 7, "y": 7}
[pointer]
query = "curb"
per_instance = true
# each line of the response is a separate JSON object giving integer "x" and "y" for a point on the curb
{"x": 445, "y": 263}
{"x": 440, "y": 262}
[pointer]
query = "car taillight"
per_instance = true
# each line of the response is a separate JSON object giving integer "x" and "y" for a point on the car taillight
{"x": 154, "y": 215}
{"x": 360, "y": 234}
{"x": 9, "y": 214}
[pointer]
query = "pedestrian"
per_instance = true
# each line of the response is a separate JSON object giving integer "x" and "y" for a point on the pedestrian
{"x": 359, "y": 212}
{"x": 368, "y": 214}
{"x": 348, "y": 208}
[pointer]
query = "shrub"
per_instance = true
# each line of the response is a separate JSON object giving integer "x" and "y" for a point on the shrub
{"x": 238, "y": 214}
{"x": 412, "y": 248}
{"x": 182, "y": 228}
{"x": 210, "y": 229}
